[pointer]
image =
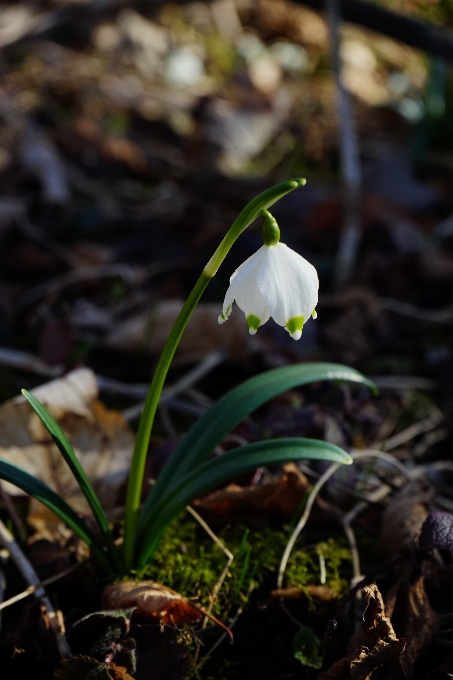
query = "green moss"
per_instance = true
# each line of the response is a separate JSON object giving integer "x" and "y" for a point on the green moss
{"x": 190, "y": 562}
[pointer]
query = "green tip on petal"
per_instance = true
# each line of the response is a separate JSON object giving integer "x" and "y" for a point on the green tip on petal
{"x": 294, "y": 326}
{"x": 270, "y": 231}
{"x": 224, "y": 317}
{"x": 253, "y": 323}
{"x": 314, "y": 314}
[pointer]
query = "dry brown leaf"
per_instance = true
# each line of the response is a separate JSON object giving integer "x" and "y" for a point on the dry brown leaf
{"x": 150, "y": 600}
{"x": 155, "y": 601}
{"x": 408, "y": 606}
{"x": 367, "y": 660}
{"x": 278, "y": 497}
{"x": 253, "y": 505}
{"x": 374, "y": 645}
{"x": 101, "y": 439}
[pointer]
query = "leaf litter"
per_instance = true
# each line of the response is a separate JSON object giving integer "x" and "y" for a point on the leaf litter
{"x": 113, "y": 157}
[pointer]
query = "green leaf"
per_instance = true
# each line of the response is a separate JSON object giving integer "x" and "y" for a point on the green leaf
{"x": 34, "y": 487}
{"x": 77, "y": 470}
{"x": 306, "y": 647}
{"x": 219, "y": 470}
{"x": 221, "y": 418}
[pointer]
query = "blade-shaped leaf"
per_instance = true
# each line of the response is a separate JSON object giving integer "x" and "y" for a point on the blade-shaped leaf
{"x": 77, "y": 470}
{"x": 221, "y": 418}
{"x": 219, "y": 470}
{"x": 37, "y": 489}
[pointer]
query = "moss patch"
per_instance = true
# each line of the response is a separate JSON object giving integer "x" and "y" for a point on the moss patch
{"x": 190, "y": 562}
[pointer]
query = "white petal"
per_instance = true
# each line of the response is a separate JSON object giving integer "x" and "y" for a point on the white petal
{"x": 250, "y": 263}
{"x": 288, "y": 284}
{"x": 244, "y": 290}
{"x": 227, "y": 305}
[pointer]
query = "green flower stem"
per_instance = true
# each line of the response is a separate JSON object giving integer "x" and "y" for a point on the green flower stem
{"x": 246, "y": 217}
{"x": 147, "y": 420}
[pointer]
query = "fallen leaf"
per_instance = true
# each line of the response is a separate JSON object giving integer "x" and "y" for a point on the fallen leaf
{"x": 254, "y": 505}
{"x": 101, "y": 439}
{"x": 368, "y": 660}
{"x": 152, "y": 600}
{"x": 374, "y": 644}
{"x": 413, "y": 618}
{"x": 376, "y": 624}
{"x": 155, "y": 601}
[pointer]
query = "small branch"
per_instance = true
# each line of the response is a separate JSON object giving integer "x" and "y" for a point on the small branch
{"x": 223, "y": 548}
{"x": 3, "y": 557}
{"x": 303, "y": 520}
{"x": 28, "y": 362}
{"x": 442, "y": 316}
{"x": 356, "y": 455}
{"x": 349, "y": 158}
{"x": 204, "y": 367}
{"x": 32, "y": 589}
{"x": 29, "y": 574}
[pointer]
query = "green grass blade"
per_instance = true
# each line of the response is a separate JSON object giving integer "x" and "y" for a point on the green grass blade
{"x": 37, "y": 489}
{"x": 219, "y": 470}
{"x": 221, "y": 418}
{"x": 77, "y": 470}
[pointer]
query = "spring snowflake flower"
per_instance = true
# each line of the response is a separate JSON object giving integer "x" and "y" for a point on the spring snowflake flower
{"x": 274, "y": 282}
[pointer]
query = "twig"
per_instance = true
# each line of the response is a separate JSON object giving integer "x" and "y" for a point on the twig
{"x": 442, "y": 316}
{"x": 3, "y": 557}
{"x": 166, "y": 420}
{"x": 132, "y": 275}
{"x": 303, "y": 520}
{"x": 28, "y": 362}
{"x": 231, "y": 623}
{"x": 224, "y": 549}
{"x": 356, "y": 455}
{"x": 412, "y": 431}
{"x": 32, "y": 589}
{"x": 204, "y": 367}
{"x": 401, "y": 383}
{"x": 137, "y": 390}
{"x": 346, "y": 521}
{"x": 349, "y": 158}
{"x": 211, "y": 361}
{"x": 15, "y": 518}
{"x": 29, "y": 574}
{"x": 50, "y": 243}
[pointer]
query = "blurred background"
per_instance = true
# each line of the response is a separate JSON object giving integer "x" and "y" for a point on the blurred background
{"x": 132, "y": 134}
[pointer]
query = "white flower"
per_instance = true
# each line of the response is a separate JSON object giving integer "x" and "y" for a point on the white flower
{"x": 275, "y": 282}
